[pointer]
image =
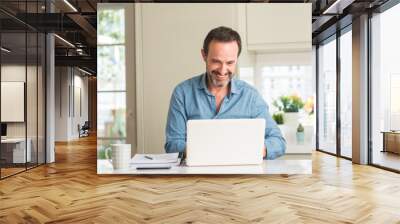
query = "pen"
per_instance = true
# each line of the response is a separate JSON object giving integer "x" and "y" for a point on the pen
{"x": 152, "y": 167}
{"x": 148, "y": 157}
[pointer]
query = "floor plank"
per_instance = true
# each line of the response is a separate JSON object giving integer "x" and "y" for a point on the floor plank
{"x": 70, "y": 191}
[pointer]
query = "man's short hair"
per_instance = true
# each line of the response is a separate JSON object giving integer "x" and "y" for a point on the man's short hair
{"x": 222, "y": 34}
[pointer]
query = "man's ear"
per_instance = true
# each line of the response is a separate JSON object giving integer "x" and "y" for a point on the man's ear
{"x": 203, "y": 54}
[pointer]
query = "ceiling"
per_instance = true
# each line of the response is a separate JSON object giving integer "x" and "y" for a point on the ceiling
{"x": 76, "y": 20}
{"x": 76, "y": 25}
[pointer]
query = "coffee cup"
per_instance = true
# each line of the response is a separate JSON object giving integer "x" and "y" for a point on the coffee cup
{"x": 121, "y": 155}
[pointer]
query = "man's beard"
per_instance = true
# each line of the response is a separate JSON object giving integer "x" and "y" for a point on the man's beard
{"x": 217, "y": 83}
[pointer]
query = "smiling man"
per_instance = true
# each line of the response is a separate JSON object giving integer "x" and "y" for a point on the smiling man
{"x": 217, "y": 95}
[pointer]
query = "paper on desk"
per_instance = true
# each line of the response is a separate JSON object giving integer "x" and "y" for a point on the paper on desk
{"x": 143, "y": 165}
{"x": 157, "y": 158}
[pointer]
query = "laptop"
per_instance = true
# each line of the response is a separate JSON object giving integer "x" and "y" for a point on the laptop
{"x": 225, "y": 142}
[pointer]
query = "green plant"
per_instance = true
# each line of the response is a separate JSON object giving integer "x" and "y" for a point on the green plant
{"x": 278, "y": 117}
{"x": 101, "y": 154}
{"x": 292, "y": 103}
{"x": 300, "y": 128}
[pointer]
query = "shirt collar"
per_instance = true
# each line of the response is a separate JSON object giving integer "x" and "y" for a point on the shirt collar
{"x": 203, "y": 85}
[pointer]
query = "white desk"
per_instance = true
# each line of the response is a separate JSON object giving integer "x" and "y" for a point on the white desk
{"x": 18, "y": 150}
{"x": 280, "y": 166}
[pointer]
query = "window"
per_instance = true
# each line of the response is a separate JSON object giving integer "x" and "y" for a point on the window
{"x": 22, "y": 74}
{"x": 327, "y": 96}
{"x": 385, "y": 89}
{"x": 273, "y": 71}
{"x": 346, "y": 94}
{"x": 297, "y": 78}
{"x": 111, "y": 89}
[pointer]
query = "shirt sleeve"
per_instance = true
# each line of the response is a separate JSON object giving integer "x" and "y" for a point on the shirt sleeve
{"x": 175, "y": 130}
{"x": 273, "y": 140}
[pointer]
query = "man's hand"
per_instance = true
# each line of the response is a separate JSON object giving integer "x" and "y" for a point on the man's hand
{"x": 264, "y": 151}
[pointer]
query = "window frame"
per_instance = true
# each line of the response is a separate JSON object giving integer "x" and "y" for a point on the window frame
{"x": 334, "y": 37}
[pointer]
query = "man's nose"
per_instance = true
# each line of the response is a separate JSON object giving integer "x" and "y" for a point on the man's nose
{"x": 223, "y": 69}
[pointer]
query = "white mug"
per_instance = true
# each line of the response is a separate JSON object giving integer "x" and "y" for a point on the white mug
{"x": 121, "y": 155}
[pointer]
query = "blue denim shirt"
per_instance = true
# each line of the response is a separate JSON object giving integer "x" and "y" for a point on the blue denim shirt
{"x": 192, "y": 100}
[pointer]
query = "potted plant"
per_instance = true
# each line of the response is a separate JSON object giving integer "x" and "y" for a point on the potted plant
{"x": 290, "y": 105}
{"x": 300, "y": 134}
{"x": 278, "y": 118}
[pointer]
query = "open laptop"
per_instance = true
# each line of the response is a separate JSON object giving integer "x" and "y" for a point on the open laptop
{"x": 224, "y": 142}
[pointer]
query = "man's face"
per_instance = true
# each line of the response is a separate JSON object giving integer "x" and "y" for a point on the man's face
{"x": 221, "y": 62}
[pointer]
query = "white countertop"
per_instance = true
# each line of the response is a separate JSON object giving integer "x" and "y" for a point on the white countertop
{"x": 286, "y": 165}
{"x": 14, "y": 140}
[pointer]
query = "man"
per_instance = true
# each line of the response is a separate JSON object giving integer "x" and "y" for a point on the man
{"x": 216, "y": 95}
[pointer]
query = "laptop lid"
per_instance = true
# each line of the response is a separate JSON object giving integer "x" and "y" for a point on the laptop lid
{"x": 225, "y": 142}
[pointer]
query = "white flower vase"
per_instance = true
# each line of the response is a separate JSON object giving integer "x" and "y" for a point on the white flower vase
{"x": 290, "y": 123}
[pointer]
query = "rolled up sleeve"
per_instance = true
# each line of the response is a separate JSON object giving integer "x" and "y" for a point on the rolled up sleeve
{"x": 273, "y": 140}
{"x": 175, "y": 131}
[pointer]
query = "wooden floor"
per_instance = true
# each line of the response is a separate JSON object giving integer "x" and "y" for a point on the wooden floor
{"x": 70, "y": 191}
{"x": 387, "y": 159}
{"x": 10, "y": 171}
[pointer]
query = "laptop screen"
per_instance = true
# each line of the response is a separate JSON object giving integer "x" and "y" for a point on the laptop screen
{"x": 3, "y": 129}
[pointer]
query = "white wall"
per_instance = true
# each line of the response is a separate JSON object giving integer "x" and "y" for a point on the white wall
{"x": 171, "y": 40}
{"x": 79, "y": 117}
{"x": 68, "y": 82}
{"x": 61, "y": 103}
{"x": 15, "y": 73}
